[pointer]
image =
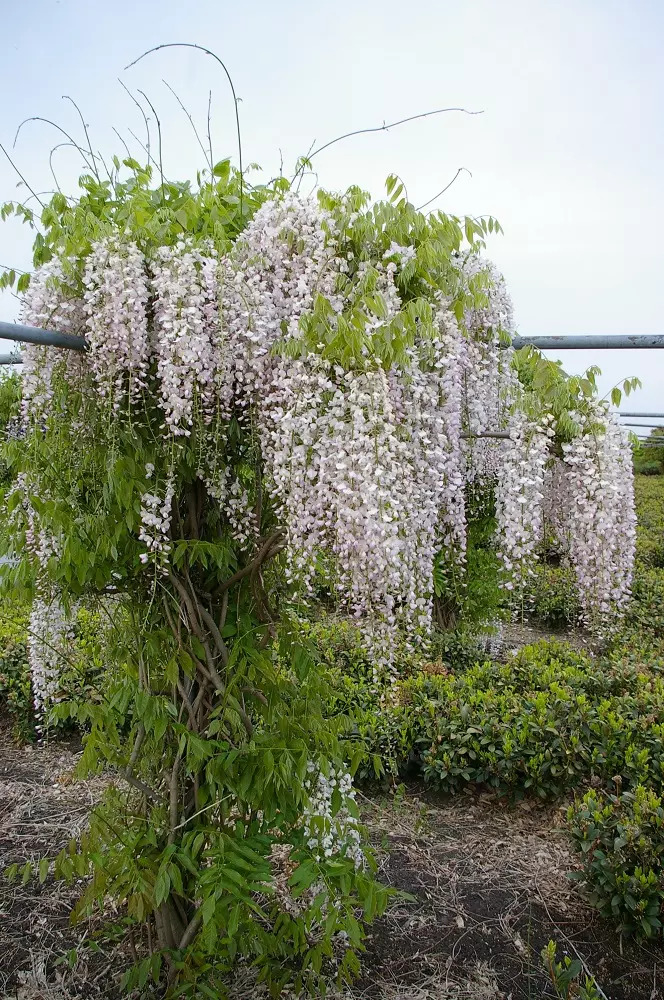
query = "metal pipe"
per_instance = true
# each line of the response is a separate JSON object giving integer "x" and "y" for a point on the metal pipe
{"x": 591, "y": 342}
{"x": 645, "y": 426}
{"x": 641, "y": 414}
{"x": 45, "y": 338}
{"x": 487, "y": 434}
{"x": 52, "y": 338}
{"x": 11, "y": 359}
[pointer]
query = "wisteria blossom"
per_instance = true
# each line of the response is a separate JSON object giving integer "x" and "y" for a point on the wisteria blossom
{"x": 50, "y": 635}
{"x": 601, "y": 515}
{"x": 116, "y": 299}
{"x": 520, "y": 496}
{"x": 328, "y": 831}
{"x": 365, "y": 458}
{"x": 50, "y": 304}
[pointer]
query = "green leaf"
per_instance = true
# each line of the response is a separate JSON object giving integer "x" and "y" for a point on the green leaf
{"x": 222, "y": 170}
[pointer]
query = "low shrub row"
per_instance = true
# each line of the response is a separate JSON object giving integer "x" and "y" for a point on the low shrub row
{"x": 620, "y": 838}
{"x": 542, "y": 723}
{"x": 649, "y": 493}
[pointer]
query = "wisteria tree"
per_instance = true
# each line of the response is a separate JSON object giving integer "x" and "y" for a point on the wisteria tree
{"x": 280, "y": 397}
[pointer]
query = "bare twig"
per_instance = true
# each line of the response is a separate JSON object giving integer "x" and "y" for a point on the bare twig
{"x": 443, "y": 190}
{"x": 191, "y": 121}
{"x": 145, "y": 117}
{"x": 384, "y": 128}
{"x": 209, "y": 131}
{"x": 123, "y": 143}
{"x": 66, "y": 97}
{"x": 32, "y": 192}
{"x": 208, "y": 52}
{"x": 156, "y": 118}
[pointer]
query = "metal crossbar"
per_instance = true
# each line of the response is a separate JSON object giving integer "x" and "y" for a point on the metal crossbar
{"x": 52, "y": 338}
{"x": 46, "y": 338}
{"x": 591, "y": 342}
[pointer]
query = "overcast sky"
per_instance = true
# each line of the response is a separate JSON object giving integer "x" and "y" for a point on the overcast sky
{"x": 568, "y": 153}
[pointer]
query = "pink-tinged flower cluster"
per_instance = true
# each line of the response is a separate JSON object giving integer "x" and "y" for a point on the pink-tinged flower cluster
{"x": 156, "y": 524}
{"x": 520, "y": 496}
{"x": 186, "y": 325}
{"x": 601, "y": 515}
{"x": 489, "y": 381}
{"x": 50, "y": 638}
{"x": 116, "y": 300}
{"x": 366, "y": 462}
{"x": 49, "y": 304}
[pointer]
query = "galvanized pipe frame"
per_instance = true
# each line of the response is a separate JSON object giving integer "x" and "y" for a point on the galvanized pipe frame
{"x": 54, "y": 338}
{"x": 564, "y": 342}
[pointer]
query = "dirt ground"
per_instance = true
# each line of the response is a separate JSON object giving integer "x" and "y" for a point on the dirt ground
{"x": 489, "y": 880}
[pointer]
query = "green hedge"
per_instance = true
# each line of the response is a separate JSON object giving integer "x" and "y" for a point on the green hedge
{"x": 80, "y": 678}
{"x": 621, "y": 842}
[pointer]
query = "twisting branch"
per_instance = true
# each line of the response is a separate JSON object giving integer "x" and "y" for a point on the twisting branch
{"x": 145, "y": 117}
{"x": 173, "y": 808}
{"x": 274, "y": 545}
{"x": 443, "y": 190}
{"x": 32, "y": 192}
{"x": 380, "y": 128}
{"x": 208, "y": 52}
{"x": 190, "y": 931}
{"x": 191, "y": 121}
{"x": 66, "y": 97}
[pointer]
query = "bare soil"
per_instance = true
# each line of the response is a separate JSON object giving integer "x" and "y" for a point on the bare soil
{"x": 490, "y": 886}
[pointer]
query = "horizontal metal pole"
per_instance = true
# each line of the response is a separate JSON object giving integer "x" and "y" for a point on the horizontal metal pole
{"x": 11, "y": 359}
{"x": 45, "y": 338}
{"x": 645, "y": 426}
{"x": 661, "y": 415}
{"x": 52, "y": 338}
{"x": 590, "y": 342}
{"x": 487, "y": 434}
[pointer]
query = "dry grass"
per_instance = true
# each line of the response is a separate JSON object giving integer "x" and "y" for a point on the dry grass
{"x": 490, "y": 886}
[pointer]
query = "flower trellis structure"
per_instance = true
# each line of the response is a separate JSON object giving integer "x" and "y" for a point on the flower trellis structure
{"x": 290, "y": 334}
{"x": 265, "y": 419}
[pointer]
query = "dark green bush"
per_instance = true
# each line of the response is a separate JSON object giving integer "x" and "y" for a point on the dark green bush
{"x": 15, "y": 689}
{"x": 621, "y": 842}
{"x": 646, "y": 468}
{"x": 649, "y": 492}
{"x": 552, "y": 596}
{"x": 542, "y": 723}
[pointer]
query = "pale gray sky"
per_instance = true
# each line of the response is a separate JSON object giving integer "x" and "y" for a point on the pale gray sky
{"x": 568, "y": 154}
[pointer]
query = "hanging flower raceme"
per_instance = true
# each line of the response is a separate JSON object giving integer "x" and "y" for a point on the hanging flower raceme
{"x": 519, "y": 498}
{"x": 601, "y": 515}
{"x": 50, "y": 303}
{"x": 116, "y": 299}
{"x": 50, "y": 637}
{"x": 186, "y": 332}
{"x": 488, "y": 379}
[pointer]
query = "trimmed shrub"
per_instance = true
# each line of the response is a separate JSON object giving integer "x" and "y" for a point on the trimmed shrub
{"x": 621, "y": 842}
